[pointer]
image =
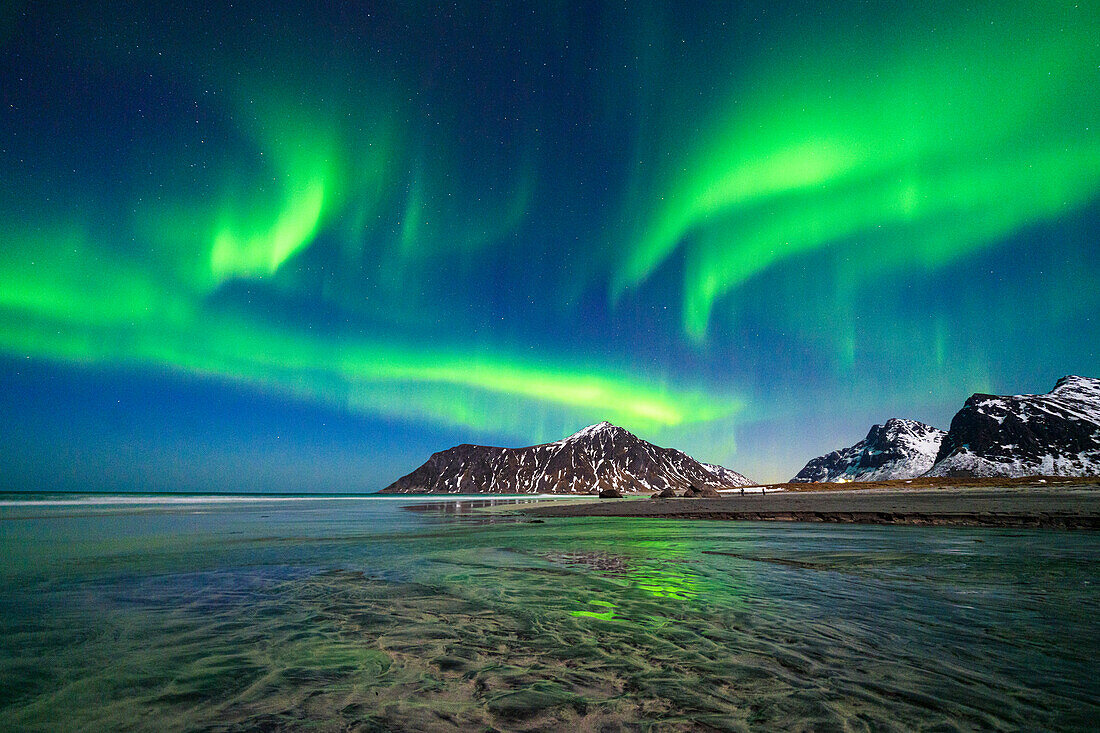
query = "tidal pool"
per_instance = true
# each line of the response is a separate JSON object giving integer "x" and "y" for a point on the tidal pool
{"x": 194, "y": 613}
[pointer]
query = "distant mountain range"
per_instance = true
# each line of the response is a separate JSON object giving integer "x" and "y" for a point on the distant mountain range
{"x": 1055, "y": 434}
{"x": 597, "y": 458}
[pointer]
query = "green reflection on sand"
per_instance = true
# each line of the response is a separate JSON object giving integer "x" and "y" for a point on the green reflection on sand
{"x": 602, "y": 615}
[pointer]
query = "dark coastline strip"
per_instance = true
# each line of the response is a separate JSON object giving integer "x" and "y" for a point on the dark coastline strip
{"x": 1008, "y": 508}
{"x": 1045, "y": 521}
{"x": 1042, "y": 521}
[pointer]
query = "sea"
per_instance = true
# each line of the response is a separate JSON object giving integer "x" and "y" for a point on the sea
{"x": 364, "y": 613}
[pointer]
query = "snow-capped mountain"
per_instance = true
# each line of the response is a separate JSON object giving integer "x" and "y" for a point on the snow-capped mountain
{"x": 897, "y": 450}
{"x": 598, "y": 457}
{"x": 1056, "y": 434}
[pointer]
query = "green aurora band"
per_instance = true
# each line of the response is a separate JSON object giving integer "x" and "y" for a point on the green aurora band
{"x": 938, "y": 151}
{"x": 62, "y": 315}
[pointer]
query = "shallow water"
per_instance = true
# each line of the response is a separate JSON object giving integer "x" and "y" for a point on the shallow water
{"x": 353, "y": 614}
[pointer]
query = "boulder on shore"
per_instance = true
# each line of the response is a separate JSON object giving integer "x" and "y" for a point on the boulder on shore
{"x": 668, "y": 493}
{"x": 702, "y": 492}
{"x": 610, "y": 494}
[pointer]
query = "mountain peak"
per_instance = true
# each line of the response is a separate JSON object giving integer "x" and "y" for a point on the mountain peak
{"x": 597, "y": 429}
{"x": 898, "y": 449}
{"x": 903, "y": 422}
{"x": 1072, "y": 384}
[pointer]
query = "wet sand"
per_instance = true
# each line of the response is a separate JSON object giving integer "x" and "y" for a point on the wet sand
{"x": 1062, "y": 507}
{"x": 358, "y": 616}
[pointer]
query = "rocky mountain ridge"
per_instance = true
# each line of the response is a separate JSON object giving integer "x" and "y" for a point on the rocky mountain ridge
{"x": 897, "y": 449}
{"x": 599, "y": 457}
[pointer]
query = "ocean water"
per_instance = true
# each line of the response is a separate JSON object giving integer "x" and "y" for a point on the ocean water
{"x": 355, "y": 614}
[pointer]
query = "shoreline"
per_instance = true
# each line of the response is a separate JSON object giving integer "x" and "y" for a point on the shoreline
{"x": 1074, "y": 506}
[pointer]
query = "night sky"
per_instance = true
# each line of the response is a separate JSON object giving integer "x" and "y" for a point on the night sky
{"x": 274, "y": 246}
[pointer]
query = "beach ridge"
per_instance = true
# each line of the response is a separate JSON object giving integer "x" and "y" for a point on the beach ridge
{"x": 1065, "y": 507}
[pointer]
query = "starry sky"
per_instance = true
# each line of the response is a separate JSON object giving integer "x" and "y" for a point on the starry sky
{"x": 270, "y": 246}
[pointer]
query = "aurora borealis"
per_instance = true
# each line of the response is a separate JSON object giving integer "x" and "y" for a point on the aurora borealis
{"x": 276, "y": 246}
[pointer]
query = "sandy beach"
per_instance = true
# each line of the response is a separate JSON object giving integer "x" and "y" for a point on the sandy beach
{"x": 1074, "y": 506}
